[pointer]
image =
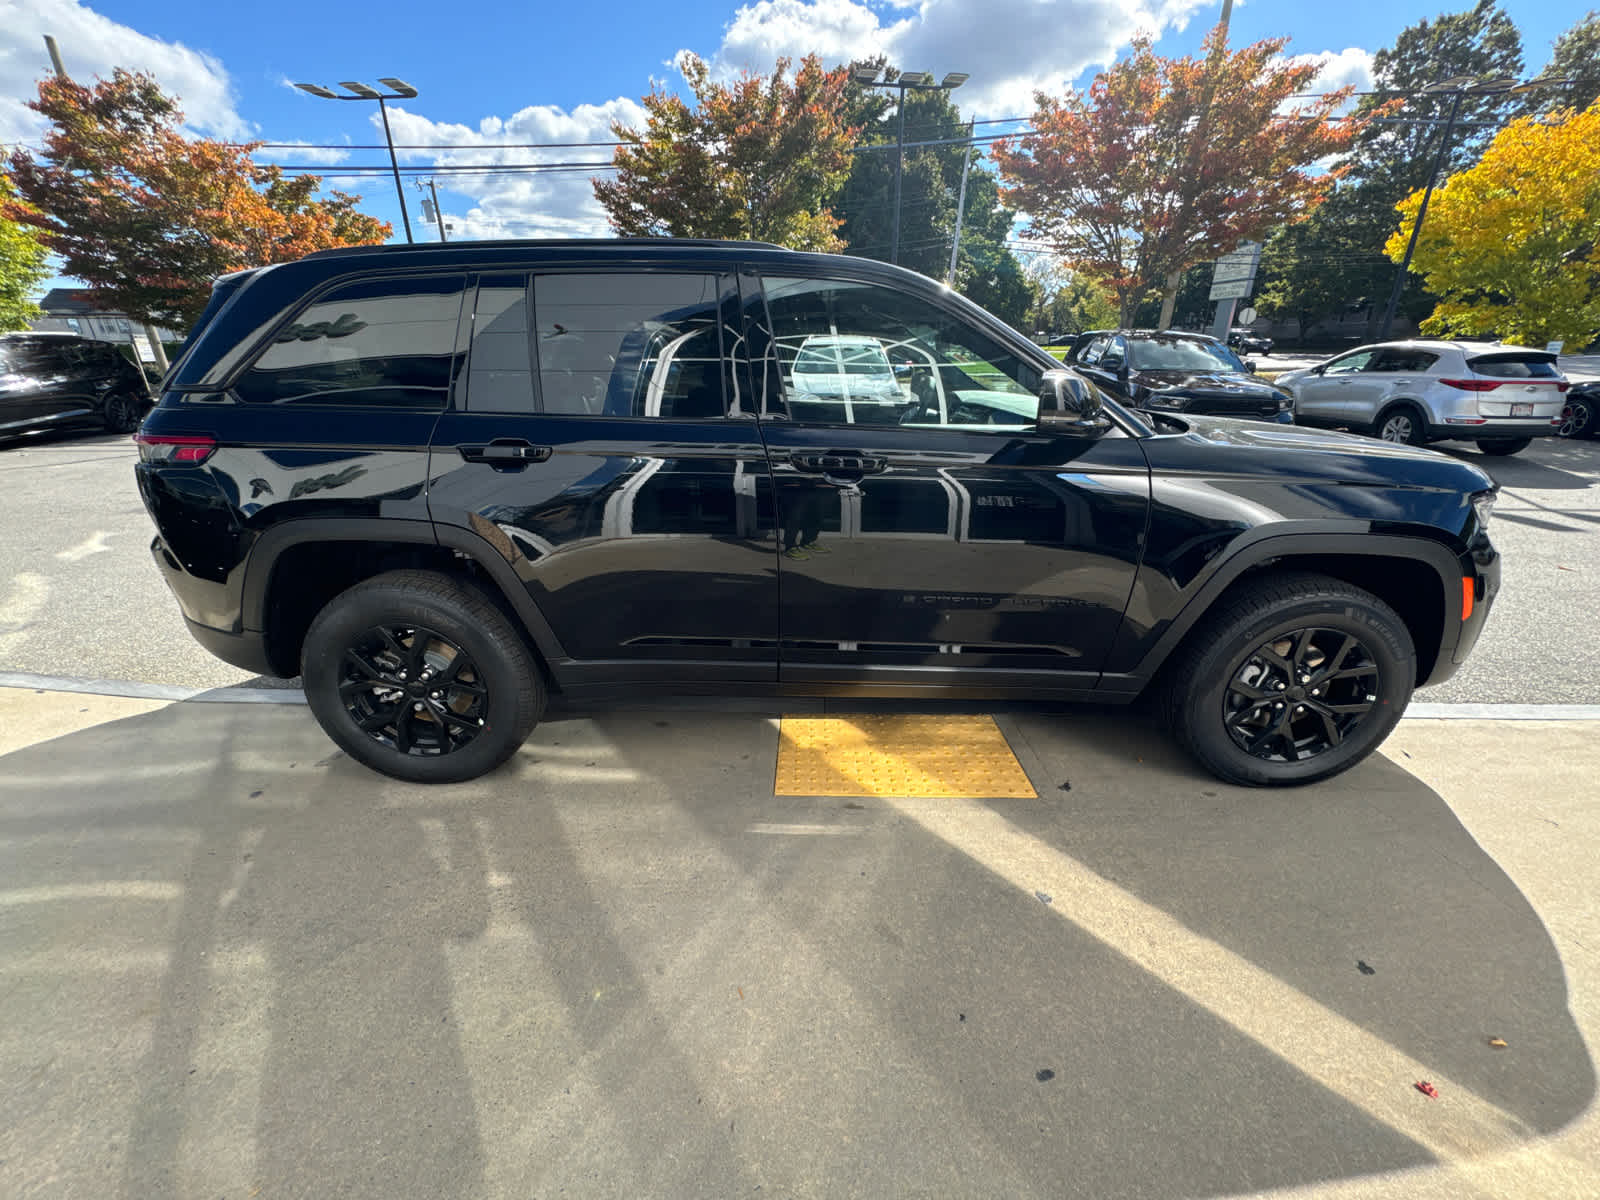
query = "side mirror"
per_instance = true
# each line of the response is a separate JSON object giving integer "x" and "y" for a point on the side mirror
{"x": 1318, "y": 370}
{"x": 1250, "y": 365}
{"x": 1111, "y": 362}
{"x": 1070, "y": 404}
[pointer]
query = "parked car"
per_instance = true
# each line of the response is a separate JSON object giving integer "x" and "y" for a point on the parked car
{"x": 61, "y": 380}
{"x": 446, "y": 483}
{"x": 1501, "y": 397}
{"x": 1580, "y": 415}
{"x": 1248, "y": 341}
{"x": 1177, "y": 372}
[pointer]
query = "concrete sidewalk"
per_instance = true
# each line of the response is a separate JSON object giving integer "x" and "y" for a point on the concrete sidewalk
{"x": 236, "y": 964}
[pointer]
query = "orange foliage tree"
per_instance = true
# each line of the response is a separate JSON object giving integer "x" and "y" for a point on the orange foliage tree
{"x": 147, "y": 217}
{"x": 1168, "y": 162}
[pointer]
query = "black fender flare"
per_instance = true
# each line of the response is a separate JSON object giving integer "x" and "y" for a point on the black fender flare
{"x": 270, "y": 546}
{"x": 1445, "y": 563}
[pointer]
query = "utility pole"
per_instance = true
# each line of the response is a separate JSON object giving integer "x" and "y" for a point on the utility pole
{"x": 438, "y": 216}
{"x": 961, "y": 208}
{"x": 1422, "y": 211}
{"x": 151, "y": 334}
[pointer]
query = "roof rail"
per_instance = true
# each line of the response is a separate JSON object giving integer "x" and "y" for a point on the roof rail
{"x": 538, "y": 244}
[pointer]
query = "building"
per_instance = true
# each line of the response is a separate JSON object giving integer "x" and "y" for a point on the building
{"x": 69, "y": 310}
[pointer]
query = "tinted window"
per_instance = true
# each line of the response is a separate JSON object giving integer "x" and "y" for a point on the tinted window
{"x": 500, "y": 366}
{"x": 383, "y": 343}
{"x": 859, "y": 354}
{"x": 644, "y": 345}
{"x": 1511, "y": 366}
{"x": 1092, "y": 352}
{"x": 1402, "y": 361}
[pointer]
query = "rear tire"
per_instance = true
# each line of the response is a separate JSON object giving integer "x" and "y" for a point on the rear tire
{"x": 1500, "y": 446}
{"x": 1402, "y": 424}
{"x": 1344, "y": 660}
{"x": 122, "y": 413}
{"x": 420, "y": 676}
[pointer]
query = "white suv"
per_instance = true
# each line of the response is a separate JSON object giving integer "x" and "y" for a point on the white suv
{"x": 1501, "y": 397}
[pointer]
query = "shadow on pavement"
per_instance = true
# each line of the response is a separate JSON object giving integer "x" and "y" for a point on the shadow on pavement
{"x": 1562, "y": 464}
{"x": 233, "y": 959}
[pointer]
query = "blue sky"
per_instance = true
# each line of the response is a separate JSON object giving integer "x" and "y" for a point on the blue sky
{"x": 510, "y": 71}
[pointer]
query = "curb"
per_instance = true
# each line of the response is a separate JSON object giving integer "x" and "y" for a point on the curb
{"x": 293, "y": 695}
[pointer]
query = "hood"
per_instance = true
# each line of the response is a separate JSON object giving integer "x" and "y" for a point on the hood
{"x": 1222, "y": 383}
{"x": 1294, "y": 450}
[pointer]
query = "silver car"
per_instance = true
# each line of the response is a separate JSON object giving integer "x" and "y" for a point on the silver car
{"x": 1501, "y": 397}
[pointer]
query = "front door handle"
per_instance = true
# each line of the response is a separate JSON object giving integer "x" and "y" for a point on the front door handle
{"x": 506, "y": 454}
{"x": 836, "y": 462}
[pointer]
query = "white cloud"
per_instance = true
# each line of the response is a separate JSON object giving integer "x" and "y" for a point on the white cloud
{"x": 1350, "y": 67}
{"x": 92, "y": 45}
{"x": 525, "y": 203}
{"x": 1011, "y": 48}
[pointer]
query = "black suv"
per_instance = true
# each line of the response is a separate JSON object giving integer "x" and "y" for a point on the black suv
{"x": 60, "y": 380}
{"x": 442, "y": 483}
{"x": 1172, "y": 371}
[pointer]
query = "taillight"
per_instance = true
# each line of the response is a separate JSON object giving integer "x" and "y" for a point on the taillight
{"x": 1472, "y": 385}
{"x": 1562, "y": 385}
{"x": 188, "y": 448}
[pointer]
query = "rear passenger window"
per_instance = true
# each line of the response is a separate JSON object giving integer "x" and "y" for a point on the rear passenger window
{"x": 640, "y": 345}
{"x": 1401, "y": 362}
{"x": 500, "y": 368}
{"x": 380, "y": 343}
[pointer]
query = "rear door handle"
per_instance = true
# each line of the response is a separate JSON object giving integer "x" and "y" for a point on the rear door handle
{"x": 506, "y": 454}
{"x": 835, "y": 462}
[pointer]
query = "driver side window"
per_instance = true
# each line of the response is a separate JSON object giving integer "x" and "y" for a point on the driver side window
{"x": 846, "y": 353}
{"x": 1349, "y": 364}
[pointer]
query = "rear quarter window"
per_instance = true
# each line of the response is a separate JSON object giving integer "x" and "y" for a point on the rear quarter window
{"x": 377, "y": 343}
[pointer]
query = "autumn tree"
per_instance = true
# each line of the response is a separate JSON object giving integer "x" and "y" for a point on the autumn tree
{"x": 1167, "y": 162}
{"x": 1512, "y": 246}
{"x": 756, "y": 159}
{"x": 22, "y": 265}
{"x": 147, "y": 217}
{"x": 1334, "y": 262}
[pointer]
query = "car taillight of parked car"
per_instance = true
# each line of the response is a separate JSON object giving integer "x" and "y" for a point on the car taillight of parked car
{"x": 191, "y": 450}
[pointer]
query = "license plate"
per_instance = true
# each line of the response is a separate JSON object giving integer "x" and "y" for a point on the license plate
{"x": 1522, "y": 410}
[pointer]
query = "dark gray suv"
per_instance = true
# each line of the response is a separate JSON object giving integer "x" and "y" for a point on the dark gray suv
{"x": 60, "y": 380}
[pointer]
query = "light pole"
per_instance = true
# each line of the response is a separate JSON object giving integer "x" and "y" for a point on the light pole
{"x": 399, "y": 90}
{"x": 1458, "y": 88}
{"x": 912, "y": 81}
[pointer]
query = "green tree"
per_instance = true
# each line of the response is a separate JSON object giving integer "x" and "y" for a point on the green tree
{"x": 1512, "y": 245}
{"x": 1335, "y": 263}
{"x": 986, "y": 270}
{"x": 22, "y": 264}
{"x": 147, "y": 217}
{"x": 1575, "y": 58}
{"x": 755, "y": 160}
{"x": 1165, "y": 163}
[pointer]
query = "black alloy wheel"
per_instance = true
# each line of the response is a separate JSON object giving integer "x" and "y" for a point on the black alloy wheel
{"x": 421, "y": 675}
{"x": 414, "y": 690}
{"x": 1300, "y": 694}
{"x": 1578, "y": 418}
{"x": 122, "y": 413}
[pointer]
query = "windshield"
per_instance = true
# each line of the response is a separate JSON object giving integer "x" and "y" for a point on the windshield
{"x": 1180, "y": 354}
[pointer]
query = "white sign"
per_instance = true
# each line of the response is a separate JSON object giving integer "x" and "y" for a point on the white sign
{"x": 1553, "y": 347}
{"x": 1232, "y": 289}
{"x": 1246, "y": 316}
{"x": 141, "y": 347}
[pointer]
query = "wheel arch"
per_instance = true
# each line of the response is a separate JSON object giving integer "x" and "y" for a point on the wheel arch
{"x": 1417, "y": 577}
{"x": 297, "y": 567}
{"x": 1418, "y": 409}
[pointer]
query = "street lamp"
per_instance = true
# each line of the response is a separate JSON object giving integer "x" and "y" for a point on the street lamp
{"x": 1458, "y": 88}
{"x": 399, "y": 90}
{"x": 914, "y": 81}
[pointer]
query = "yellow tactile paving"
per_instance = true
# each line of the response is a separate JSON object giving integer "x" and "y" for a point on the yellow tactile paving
{"x": 955, "y": 756}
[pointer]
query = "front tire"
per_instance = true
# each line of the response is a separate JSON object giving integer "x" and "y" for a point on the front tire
{"x": 1501, "y": 446}
{"x": 1291, "y": 679}
{"x": 420, "y": 676}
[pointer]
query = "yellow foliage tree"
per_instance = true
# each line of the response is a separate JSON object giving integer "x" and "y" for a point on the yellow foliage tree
{"x": 1512, "y": 246}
